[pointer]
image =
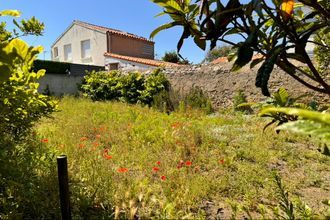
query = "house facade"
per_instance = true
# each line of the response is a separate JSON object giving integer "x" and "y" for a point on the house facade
{"x": 85, "y": 43}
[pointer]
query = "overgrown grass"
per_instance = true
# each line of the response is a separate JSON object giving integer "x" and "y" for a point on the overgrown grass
{"x": 127, "y": 160}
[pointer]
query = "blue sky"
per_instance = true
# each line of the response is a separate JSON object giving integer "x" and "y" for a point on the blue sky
{"x": 134, "y": 16}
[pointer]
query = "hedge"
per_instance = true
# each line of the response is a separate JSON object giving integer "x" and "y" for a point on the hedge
{"x": 51, "y": 66}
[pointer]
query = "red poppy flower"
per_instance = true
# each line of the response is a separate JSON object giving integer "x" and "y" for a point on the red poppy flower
{"x": 175, "y": 125}
{"x": 188, "y": 163}
{"x": 44, "y": 140}
{"x": 81, "y": 145}
{"x": 222, "y": 161}
{"x": 96, "y": 144}
{"x": 102, "y": 128}
{"x": 155, "y": 169}
{"x": 83, "y": 138}
{"x": 122, "y": 170}
{"x": 106, "y": 155}
{"x": 98, "y": 136}
{"x": 158, "y": 162}
{"x": 163, "y": 178}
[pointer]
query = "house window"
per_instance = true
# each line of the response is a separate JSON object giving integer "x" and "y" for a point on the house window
{"x": 85, "y": 49}
{"x": 67, "y": 52}
{"x": 113, "y": 66}
{"x": 55, "y": 52}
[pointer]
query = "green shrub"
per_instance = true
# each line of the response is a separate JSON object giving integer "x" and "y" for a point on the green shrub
{"x": 20, "y": 103}
{"x": 166, "y": 101}
{"x": 51, "y": 66}
{"x": 102, "y": 85}
{"x": 238, "y": 99}
{"x": 171, "y": 100}
{"x": 196, "y": 98}
{"x": 131, "y": 88}
{"x": 155, "y": 83}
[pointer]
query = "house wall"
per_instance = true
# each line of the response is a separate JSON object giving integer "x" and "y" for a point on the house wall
{"x": 130, "y": 47}
{"x": 74, "y": 35}
{"x": 128, "y": 65}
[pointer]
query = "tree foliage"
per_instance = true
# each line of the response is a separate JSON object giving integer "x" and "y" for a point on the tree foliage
{"x": 173, "y": 57}
{"x": 20, "y": 103}
{"x": 219, "y": 51}
{"x": 278, "y": 30}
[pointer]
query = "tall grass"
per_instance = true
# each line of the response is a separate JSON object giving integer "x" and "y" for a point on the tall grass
{"x": 131, "y": 161}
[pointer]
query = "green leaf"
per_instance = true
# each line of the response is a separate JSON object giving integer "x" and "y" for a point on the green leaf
{"x": 244, "y": 56}
{"x": 160, "y": 14}
{"x": 8, "y": 12}
{"x": 281, "y": 97}
{"x": 200, "y": 43}
{"x": 308, "y": 127}
{"x": 170, "y": 5}
{"x": 266, "y": 69}
{"x": 163, "y": 27}
{"x": 302, "y": 113}
{"x": 256, "y": 62}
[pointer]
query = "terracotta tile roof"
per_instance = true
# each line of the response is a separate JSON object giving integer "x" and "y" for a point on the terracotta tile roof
{"x": 113, "y": 31}
{"x": 157, "y": 63}
{"x": 225, "y": 59}
{"x": 220, "y": 60}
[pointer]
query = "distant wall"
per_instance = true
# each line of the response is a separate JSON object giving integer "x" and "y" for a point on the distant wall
{"x": 59, "y": 84}
{"x": 221, "y": 85}
{"x": 66, "y": 83}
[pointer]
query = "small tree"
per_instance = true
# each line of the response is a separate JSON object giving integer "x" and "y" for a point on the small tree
{"x": 270, "y": 28}
{"x": 173, "y": 57}
{"x": 220, "y": 51}
{"x": 20, "y": 103}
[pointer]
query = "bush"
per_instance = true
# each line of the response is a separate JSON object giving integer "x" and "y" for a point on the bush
{"x": 100, "y": 86}
{"x": 131, "y": 88}
{"x": 171, "y": 100}
{"x": 155, "y": 83}
{"x": 238, "y": 99}
{"x": 20, "y": 103}
{"x": 51, "y": 66}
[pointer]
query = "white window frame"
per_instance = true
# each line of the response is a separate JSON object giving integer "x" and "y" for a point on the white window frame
{"x": 55, "y": 52}
{"x": 67, "y": 56}
{"x": 85, "y": 53}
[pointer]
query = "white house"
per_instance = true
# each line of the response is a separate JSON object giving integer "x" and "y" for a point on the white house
{"x": 86, "y": 43}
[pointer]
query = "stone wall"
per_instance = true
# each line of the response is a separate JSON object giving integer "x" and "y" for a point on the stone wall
{"x": 221, "y": 85}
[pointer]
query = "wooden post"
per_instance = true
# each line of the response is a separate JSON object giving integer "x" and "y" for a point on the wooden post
{"x": 63, "y": 180}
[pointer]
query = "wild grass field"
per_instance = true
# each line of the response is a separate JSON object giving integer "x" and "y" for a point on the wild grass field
{"x": 131, "y": 161}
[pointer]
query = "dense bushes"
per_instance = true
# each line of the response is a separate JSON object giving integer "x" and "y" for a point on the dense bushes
{"x": 132, "y": 87}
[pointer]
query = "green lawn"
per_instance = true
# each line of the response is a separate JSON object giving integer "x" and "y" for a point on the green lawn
{"x": 127, "y": 160}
